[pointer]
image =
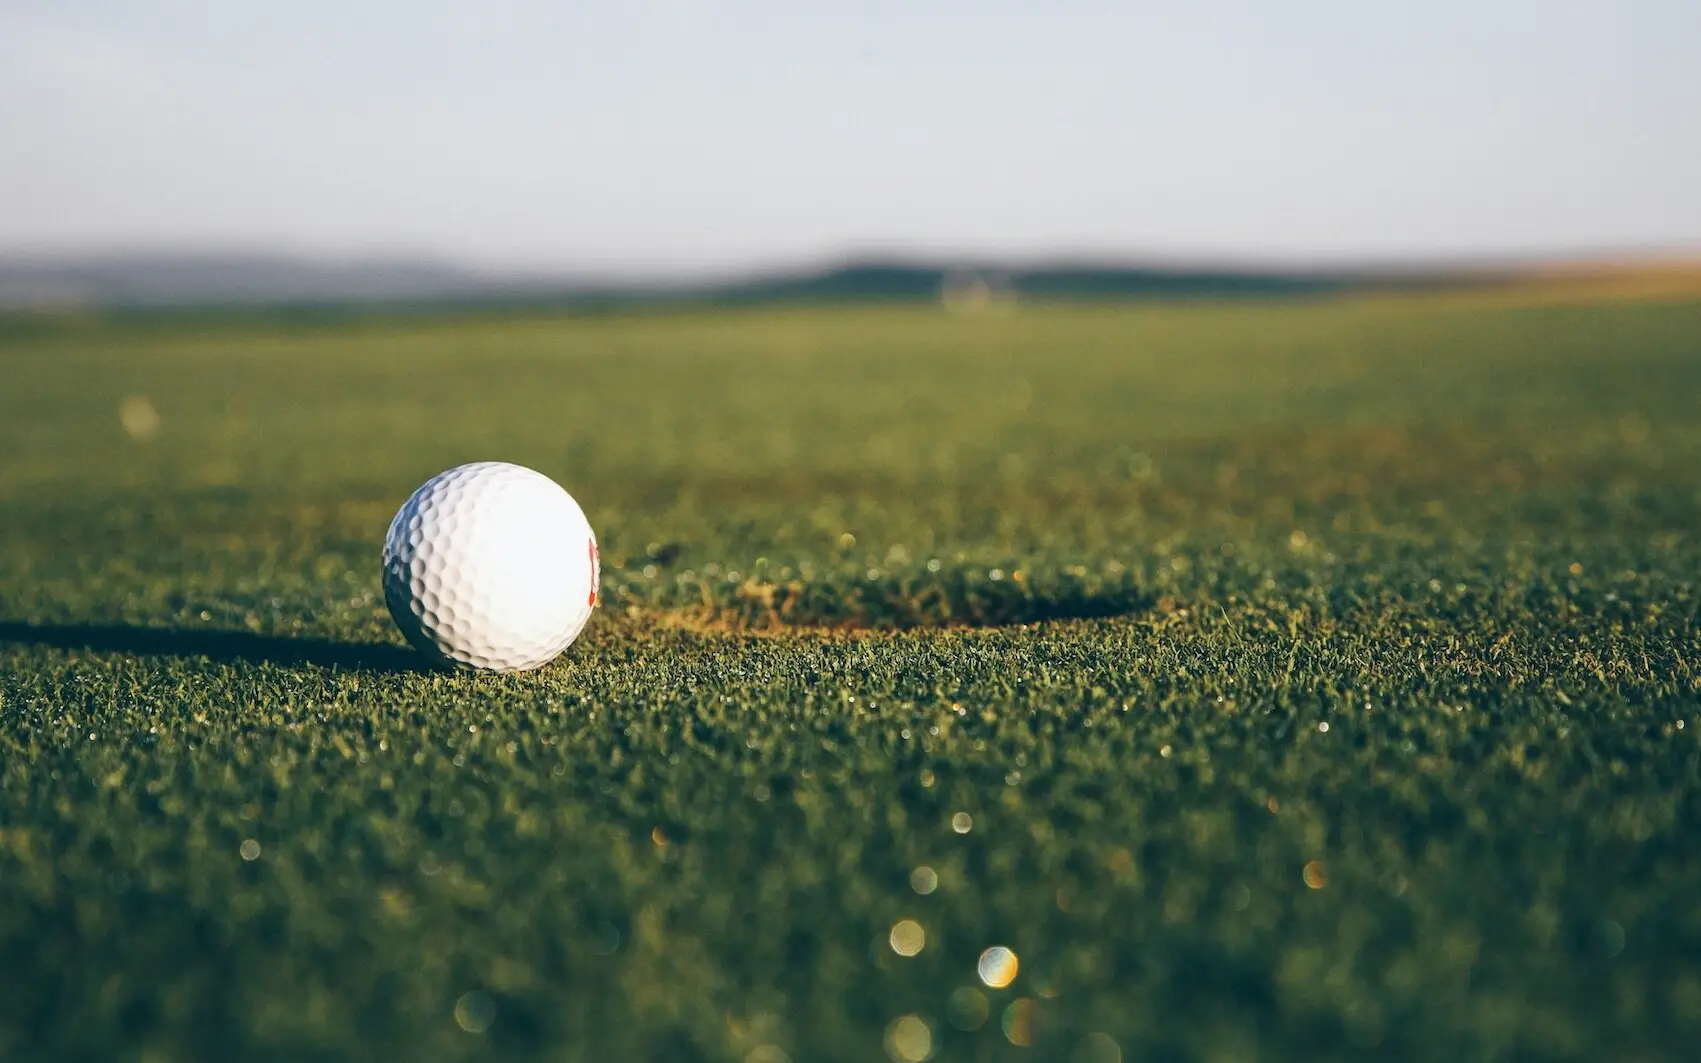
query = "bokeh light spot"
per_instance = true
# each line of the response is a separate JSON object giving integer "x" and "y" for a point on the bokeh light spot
{"x": 139, "y": 418}
{"x": 967, "y": 1008}
{"x": 475, "y": 1011}
{"x": 909, "y": 1039}
{"x": 1018, "y": 1022}
{"x": 997, "y": 967}
{"x": 1098, "y": 1048}
{"x": 907, "y": 937}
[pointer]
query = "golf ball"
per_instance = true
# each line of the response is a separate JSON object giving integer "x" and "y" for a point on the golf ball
{"x": 491, "y": 566}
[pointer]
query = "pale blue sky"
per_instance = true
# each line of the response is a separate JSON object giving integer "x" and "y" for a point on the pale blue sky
{"x": 692, "y": 134}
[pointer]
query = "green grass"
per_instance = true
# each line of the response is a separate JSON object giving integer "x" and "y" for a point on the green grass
{"x": 1320, "y": 679}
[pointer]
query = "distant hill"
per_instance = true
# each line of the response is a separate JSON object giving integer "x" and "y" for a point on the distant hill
{"x": 880, "y": 280}
{"x": 184, "y": 280}
{"x": 143, "y": 279}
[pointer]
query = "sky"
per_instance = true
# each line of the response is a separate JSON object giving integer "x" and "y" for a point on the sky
{"x": 679, "y": 136}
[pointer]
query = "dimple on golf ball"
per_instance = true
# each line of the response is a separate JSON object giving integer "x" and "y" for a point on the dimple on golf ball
{"x": 491, "y": 566}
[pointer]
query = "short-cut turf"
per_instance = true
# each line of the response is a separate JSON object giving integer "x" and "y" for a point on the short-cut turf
{"x": 1278, "y": 681}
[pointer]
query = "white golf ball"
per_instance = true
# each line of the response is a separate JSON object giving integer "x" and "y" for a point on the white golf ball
{"x": 491, "y": 566}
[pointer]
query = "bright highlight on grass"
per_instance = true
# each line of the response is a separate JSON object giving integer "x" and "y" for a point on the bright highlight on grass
{"x": 1018, "y": 1022}
{"x": 967, "y": 1008}
{"x": 909, "y": 1039}
{"x": 139, "y": 418}
{"x": 997, "y": 967}
{"x": 924, "y": 880}
{"x": 475, "y": 1011}
{"x": 907, "y": 937}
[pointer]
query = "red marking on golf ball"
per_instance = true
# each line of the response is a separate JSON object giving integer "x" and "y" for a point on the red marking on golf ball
{"x": 596, "y": 573}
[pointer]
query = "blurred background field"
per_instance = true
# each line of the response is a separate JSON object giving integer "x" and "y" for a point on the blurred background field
{"x": 857, "y": 467}
{"x": 1272, "y": 678}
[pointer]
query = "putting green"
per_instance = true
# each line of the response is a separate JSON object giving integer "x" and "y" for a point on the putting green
{"x": 1272, "y": 680}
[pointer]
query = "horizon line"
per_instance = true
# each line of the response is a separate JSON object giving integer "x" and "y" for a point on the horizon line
{"x": 852, "y": 257}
